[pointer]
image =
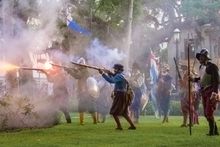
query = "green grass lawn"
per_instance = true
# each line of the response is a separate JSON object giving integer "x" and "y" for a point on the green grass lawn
{"x": 150, "y": 132}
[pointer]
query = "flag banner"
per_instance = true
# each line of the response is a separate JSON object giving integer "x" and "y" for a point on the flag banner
{"x": 73, "y": 25}
{"x": 154, "y": 73}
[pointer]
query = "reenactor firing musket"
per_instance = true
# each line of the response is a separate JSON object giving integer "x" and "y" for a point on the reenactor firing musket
{"x": 92, "y": 67}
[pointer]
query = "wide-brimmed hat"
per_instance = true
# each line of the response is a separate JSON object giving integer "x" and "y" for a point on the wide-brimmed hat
{"x": 204, "y": 52}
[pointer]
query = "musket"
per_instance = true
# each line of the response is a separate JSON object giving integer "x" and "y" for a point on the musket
{"x": 28, "y": 68}
{"x": 177, "y": 68}
{"x": 57, "y": 65}
{"x": 90, "y": 66}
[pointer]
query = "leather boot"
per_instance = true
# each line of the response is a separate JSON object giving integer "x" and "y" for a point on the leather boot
{"x": 68, "y": 118}
{"x": 67, "y": 115}
{"x": 94, "y": 118}
{"x": 216, "y": 130}
{"x": 211, "y": 128}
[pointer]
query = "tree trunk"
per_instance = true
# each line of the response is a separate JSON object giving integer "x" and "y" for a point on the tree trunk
{"x": 129, "y": 31}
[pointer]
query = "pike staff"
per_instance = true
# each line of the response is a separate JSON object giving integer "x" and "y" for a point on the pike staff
{"x": 189, "y": 86}
{"x": 177, "y": 68}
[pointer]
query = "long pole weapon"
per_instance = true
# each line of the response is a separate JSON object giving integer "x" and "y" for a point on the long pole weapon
{"x": 177, "y": 68}
{"x": 189, "y": 87}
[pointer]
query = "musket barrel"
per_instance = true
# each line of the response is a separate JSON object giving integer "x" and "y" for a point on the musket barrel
{"x": 57, "y": 65}
{"x": 27, "y": 68}
{"x": 88, "y": 66}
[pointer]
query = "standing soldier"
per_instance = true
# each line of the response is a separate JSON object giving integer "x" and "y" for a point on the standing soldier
{"x": 57, "y": 77}
{"x": 209, "y": 84}
{"x": 137, "y": 81}
{"x": 85, "y": 101}
{"x": 120, "y": 103}
{"x": 164, "y": 93}
{"x": 104, "y": 100}
{"x": 60, "y": 93}
{"x": 184, "y": 99}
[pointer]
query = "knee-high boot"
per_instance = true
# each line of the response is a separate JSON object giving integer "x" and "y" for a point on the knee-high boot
{"x": 68, "y": 118}
{"x": 94, "y": 117}
{"x": 211, "y": 127}
{"x": 216, "y": 130}
{"x": 67, "y": 115}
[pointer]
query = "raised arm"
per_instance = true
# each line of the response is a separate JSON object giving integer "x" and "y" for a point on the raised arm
{"x": 112, "y": 79}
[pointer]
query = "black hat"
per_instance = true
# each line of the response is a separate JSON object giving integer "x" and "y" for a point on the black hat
{"x": 204, "y": 52}
{"x": 119, "y": 67}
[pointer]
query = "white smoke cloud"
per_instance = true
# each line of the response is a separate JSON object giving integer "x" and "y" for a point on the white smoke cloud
{"x": 102, "y": 55}
{"x": 33, "y": 33}
{"x": 21, "y": 34}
